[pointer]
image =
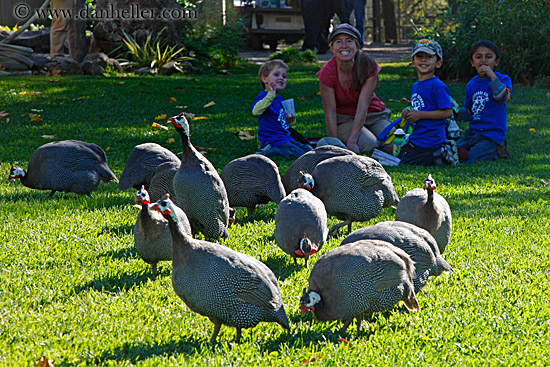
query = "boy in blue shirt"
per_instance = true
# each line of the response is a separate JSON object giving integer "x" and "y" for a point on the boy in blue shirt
{"x": 430, "y": 108}
{"x": 485, "y": 107}
{"x": 274, "y": 129}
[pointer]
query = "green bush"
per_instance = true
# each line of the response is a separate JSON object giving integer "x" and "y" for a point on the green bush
{"x": 217, "y": 44}
{"x": 293, "y": 55}
{"x": 519, "y": 27}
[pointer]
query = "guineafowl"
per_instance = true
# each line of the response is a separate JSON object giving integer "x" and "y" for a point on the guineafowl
{"x": 352, "y": 187}
{"x": 252, "y": 180}
{"x": 162, "y": 181}
{"x": 362, "y": 277}
{"x": 429, "y": 210}
{"x": 228, "y": 287}
{"x": 301, "y": 224}
{"x": 141, "y": 163}
{"x": 307, "y": 162}
{"x": 151, "y": 233}
{"x": 418, "y": 243}
{"x": 199, "y": 190}
{"x": 68, "y": 165}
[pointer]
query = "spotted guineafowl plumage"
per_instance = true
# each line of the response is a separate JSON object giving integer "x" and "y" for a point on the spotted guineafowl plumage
{"x": 418, "y": 243}
{"x": 352, "y": 187}
{"x": 252, "y": 180}
{"x": 228, "y": 287}
{"x": 141, "y": 163}
{"x": 429, "y": 210}
{"x": 151, "y": 233}
{"x": 307, "y": 162}
{"x": 162, "y": 181}
{"x": 301, "y": 224}
{"x": 199, "y": 190}
{"x": 360, "y": 278}
{"x": 67, "y": 166}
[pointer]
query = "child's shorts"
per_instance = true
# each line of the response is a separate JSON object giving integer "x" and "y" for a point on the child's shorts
{"x": 286, "y": 150}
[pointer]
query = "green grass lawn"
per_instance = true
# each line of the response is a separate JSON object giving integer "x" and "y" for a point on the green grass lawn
{"x": 73, "y": 289}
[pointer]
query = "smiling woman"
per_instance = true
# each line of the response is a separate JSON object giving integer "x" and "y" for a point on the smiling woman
{"x": 353, "y": 112}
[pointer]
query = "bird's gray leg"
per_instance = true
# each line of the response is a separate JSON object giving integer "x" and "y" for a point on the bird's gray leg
{"x": 305, "y": 263}
{"x": 249, "y": 211}
{"x": 217, "y": 327}
{"x": 51, "y": 193}
{"x": 239, "y": 334}
{"x": 346, "y": 324}
{"x": 359, "y": 320}
{"x": 154, "y": 268}
{"x": 334, "y": 229}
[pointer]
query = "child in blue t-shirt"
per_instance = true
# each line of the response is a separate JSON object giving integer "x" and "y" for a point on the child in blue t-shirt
{"x": 485, "y": 107}
{"x": 274, "y": 129}
{"x": 430, "y": 108}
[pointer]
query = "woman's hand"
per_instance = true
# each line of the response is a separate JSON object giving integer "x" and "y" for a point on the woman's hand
{"x": 352, "y": 145}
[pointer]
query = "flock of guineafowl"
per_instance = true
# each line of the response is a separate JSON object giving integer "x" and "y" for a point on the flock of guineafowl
{"x": 373, "y": 269}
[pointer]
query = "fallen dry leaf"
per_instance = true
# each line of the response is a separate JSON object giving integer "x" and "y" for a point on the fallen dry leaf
{"x": 37, "y": 119}
{"x": 79, "y": 98}
{"x": 209, "y": 104}
{"x": 159, "y": 126}
{"x": 142, "y": 83}
{"x": 120, "y": 83}
{"x": 303, "y": 97}
{"x": 205, "y": 148}
{"x": 200, "y": 118}
{"x": 161, "y": 117}
{"x": 47, "y": 136}
{"x": 56, "y": 72}
{"x": 3, "y": 114}
{"x": 172, "y": 99}
{"x": 53, "y": 80}
{"x": 109, "y": 147}
{"x": 171, "y": 140}
{"x": 5, "y": 121}
{"x": 43, "y": 362}
{"x": 347, "y": 342}
{"x": 547, "y": 95}
{"x": 246, "y": 135}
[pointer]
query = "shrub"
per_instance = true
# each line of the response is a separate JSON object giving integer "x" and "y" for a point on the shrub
{"x": 152, "y": 53}
{"x": 217, "y": 44}
{"x": 519, "y": 27}
{"x": 293, "y": 55}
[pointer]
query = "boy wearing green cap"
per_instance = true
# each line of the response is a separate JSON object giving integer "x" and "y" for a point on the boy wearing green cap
{"x": 430, "y": 108}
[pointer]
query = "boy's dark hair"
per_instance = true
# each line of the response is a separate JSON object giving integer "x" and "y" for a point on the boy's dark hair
{"x": 487, "y": 44}
{"x": 268, "y": 67}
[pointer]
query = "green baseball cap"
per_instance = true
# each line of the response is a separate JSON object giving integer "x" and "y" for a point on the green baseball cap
{"x": 428, "y": 46}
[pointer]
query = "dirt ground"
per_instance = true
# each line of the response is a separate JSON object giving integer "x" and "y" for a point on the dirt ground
{"x": 380, "y": 52}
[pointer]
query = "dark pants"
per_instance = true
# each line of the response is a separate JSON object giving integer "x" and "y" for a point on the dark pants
{"x": 418, "y": 156}
{"x": 317, "y": 15}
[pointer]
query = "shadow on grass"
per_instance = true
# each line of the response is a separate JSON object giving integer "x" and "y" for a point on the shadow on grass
{"x": 281, "y": 268}
{"x": 117, "y": 284}
{"x": 120, "y": 254}
{"x": 134, "y": 353}
{"x": 118, "y": 230}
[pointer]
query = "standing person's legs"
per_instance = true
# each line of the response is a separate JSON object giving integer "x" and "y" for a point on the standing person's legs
{"x": 312, "y": 13}
{"x": 59, "y": 27}
{"x": 359, "y": 11}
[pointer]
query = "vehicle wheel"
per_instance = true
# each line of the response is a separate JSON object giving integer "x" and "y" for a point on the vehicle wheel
{"x": 256, "y": 42}
{"x": 273, "y": 45}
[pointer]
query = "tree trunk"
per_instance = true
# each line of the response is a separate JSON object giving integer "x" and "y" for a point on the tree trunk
{"x": 390, "y": 25}
{"x": 376, "y": 37}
